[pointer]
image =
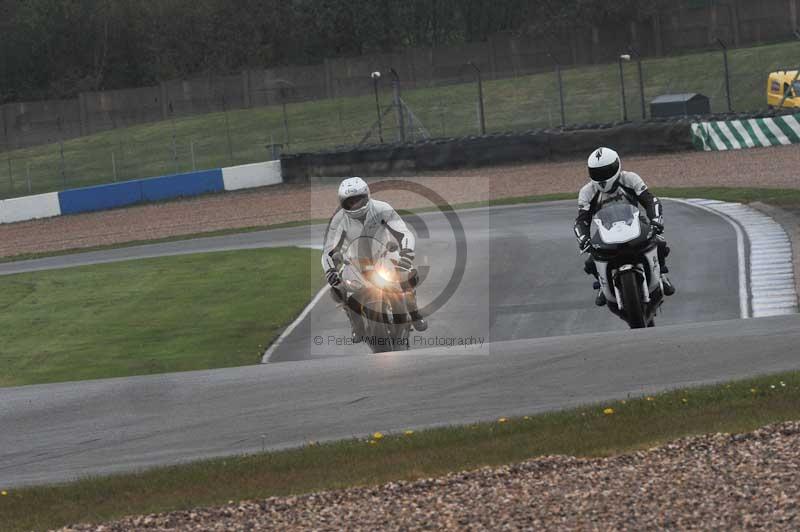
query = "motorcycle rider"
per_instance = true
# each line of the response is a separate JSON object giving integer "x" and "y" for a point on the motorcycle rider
{"x": 361, "y": 216}
{"x": 610, "y": 183}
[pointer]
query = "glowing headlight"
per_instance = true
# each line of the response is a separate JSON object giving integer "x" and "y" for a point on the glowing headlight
{"x": 385, "y": 274}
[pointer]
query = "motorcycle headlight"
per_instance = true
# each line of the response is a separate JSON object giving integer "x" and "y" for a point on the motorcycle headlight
{"x": 385, "y": 273}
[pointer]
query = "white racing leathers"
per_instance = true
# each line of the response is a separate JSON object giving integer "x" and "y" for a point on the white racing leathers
{"x": 380, "y": 224}
{"x": 630, "y": 186}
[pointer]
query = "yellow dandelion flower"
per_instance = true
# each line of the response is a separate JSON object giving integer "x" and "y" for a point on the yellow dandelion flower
{"x": 502, "y": 420}
{"x": 608, "y": 411}
{"x": 526, "y": 418}
{"x": 3, "y": 493}
{"x": 377, "y": 436}
{"x": 373, "y": 442}
{"x": 409, "y": 432}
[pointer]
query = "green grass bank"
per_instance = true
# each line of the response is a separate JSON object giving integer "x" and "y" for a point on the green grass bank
{"x": 148, "y": 316}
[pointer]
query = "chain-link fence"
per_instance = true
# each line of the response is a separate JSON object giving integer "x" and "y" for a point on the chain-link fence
{"x": 391, "y": 110}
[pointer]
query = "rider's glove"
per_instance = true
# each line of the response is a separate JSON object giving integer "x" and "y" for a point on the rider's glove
{"x": 333, "y": 277}
{"x": 406, "y": 259}
{"x": 658, "y": 226}
{"x": 584, "y": 242}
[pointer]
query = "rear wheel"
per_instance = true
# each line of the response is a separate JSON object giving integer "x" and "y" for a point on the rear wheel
{"x": 630, "y": 286}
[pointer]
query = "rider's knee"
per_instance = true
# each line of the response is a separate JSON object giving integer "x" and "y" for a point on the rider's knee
{"x": 336, "y": 295}
{"x": 663, "y": 248}
{"x": 589, "y": 267}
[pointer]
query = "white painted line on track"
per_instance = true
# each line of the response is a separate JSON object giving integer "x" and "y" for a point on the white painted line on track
{"x": 710, "y": 206}
{"x": 771, "y": 281}
{"x": 292, "y": 326}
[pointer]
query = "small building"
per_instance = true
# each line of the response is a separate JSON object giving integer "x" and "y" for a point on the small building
{"x": 680, "y": 105}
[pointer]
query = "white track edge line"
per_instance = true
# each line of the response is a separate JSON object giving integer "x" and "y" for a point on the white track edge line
{"x": 744, "y": 294}
{"x": 292, "y": 326}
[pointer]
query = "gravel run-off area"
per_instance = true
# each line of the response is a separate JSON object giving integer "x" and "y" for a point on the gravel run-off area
{"x": 712, "y": 482}
{"x": 767, "y": 167}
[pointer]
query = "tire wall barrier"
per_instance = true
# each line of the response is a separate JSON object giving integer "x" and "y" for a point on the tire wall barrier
{"x": 471, "y": 152}
{"x": 114, "y": 195}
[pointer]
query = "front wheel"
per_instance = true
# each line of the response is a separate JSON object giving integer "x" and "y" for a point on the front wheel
{"x": 630, "y": 286}
{"x": 386, "y": 332}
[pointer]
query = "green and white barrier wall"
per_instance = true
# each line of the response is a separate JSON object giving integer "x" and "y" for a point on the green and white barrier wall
{"x": 747, "y": 133}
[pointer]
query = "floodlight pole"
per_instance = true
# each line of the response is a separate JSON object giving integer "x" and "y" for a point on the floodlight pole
{"x": 376, "y": 77}
{"x": 727, "y": 73}
{"x": 481, "y": 116}
{"x": 398, "y": 102}
{"x": 638, "y": 56}
{"x": 622, "y": 90}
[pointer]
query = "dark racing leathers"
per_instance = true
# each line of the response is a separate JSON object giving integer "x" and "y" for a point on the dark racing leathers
{"x": 630, "y": 187}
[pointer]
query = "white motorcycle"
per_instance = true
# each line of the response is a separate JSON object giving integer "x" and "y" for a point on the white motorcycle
{"x": 625, "y": 251}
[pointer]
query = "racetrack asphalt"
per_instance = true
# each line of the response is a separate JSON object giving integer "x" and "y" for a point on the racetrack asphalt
{"x": 57, "y": 432}
{"x": 523, "y": 282}
{"x": 523, "y": 277}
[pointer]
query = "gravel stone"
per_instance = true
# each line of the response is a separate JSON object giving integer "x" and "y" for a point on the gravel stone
{"x": 715, "y": 481}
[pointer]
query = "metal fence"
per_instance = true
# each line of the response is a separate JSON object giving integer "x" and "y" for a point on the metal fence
{"x": 390, "y": 108}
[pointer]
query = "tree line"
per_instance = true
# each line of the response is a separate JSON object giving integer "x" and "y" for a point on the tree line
{"x": 58, "y": 48}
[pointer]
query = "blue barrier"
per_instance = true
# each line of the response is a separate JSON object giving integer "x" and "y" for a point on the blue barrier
{"x": 180, "y": 185}
{"x": 104, "y": 197}
{"x": 100, "y": 197}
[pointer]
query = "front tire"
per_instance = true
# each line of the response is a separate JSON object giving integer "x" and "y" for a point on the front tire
{"x": 630, "y": 286}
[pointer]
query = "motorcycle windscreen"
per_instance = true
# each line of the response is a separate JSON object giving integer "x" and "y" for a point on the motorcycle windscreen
{"x": 616, "y": 223}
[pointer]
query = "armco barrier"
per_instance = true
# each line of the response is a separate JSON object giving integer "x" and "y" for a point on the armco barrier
{"x": 444, "y": 154}
{"x": 182, "y": 185}
{"x": 126, "y": 193}
{"x": 252, "y": 175}
{"x": 102, "y": 197}
{"x": 29, "y": 208}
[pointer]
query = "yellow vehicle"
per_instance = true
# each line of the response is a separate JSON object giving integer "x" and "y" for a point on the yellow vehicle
{"x": 783, "y": 83}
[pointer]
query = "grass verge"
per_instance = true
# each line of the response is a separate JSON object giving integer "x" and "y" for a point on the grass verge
{"x": 149, "y": 316}
{"x": 774, "y": 196}
{"x": 518, "y": 103}
{"x": 588, "y": 431}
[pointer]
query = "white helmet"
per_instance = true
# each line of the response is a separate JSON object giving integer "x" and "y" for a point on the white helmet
{"x": 354, "y": 197}
{"x": 604, "y": 169}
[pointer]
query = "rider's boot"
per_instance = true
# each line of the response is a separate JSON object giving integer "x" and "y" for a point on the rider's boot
{"x": 417, "y": 320}
{"x": 591, "y": 269}
{"x": 356, "y": 324}
{"x": 669, "y": 288}
{"x": 663, "y": 252}
{"x": 600, "y": 299}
